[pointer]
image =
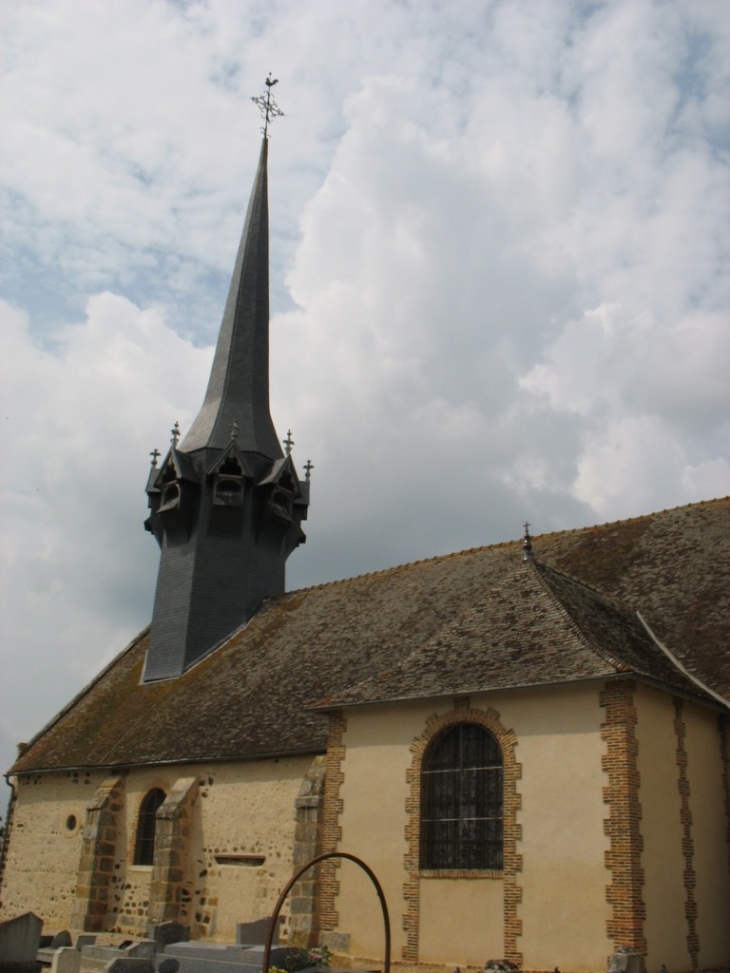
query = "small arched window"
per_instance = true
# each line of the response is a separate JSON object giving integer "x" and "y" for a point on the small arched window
{"x": 144, "y": 846}
{"x": 461, "y": 800}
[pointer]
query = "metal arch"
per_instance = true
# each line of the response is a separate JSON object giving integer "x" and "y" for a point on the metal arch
{"x": 298, "y": 875}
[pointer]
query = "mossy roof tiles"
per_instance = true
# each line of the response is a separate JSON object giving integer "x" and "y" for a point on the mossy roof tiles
{"x": 475, "y": 621}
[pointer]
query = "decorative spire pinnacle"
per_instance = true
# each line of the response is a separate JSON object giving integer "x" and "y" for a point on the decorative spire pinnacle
{"x": 155, "y": 454}
{"x": 288, "y": 443}
{"x": 267, "y": 105}
{"x": 527, "y": 552}
{"x": 175, "y": 434}
{"x": 234, "y": 430}
{"x": 308, "y": 467}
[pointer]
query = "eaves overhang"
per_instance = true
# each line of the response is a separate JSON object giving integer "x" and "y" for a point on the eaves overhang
{"x": 706, "y": 699}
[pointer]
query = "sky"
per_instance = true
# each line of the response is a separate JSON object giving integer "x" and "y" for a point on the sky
{"x": 499, "y": 281}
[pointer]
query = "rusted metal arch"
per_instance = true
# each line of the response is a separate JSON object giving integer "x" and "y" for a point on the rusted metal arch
{"x": 298, "y": 875}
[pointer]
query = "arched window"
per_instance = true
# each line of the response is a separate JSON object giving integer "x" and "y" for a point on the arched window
{"x": 144, "y": 846}
{"x": 461, "y": 800}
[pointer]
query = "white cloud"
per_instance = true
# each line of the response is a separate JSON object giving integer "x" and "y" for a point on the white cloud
{"x": 638, "y": 464}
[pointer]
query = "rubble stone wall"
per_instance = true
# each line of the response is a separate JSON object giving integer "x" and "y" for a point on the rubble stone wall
{"x": 43, "y": 855}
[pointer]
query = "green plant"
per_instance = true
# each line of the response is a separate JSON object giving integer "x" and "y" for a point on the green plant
{"x": 319, "y": 955}
{"x": 302, "y": 959}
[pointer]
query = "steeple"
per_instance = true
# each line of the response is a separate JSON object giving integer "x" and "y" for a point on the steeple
{"x": 226, "y": 504}
{"x": 238, "y": 388}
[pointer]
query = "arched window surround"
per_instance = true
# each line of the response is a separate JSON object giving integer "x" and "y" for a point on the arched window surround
{"x": 462, "y": 800}
{"x": 144, "y": 841}
{"x": 464, "y": 712}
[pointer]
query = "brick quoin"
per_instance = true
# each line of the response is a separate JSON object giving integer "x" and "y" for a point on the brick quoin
{"x": 688, "y": 847}
{"x": 723, "y": 726}
{"x": 624, "y": 894}
{"x": 331, "y": 829}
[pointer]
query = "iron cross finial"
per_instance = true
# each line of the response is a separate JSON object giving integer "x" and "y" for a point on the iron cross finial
{"x": 527, "y": 552}
{"x": 288, "y": 443}
{"x": 175, "y": 433}
{"x": 155, "y": 454}
{"x": 267, "y": 105}
{"x": 308, "y": 467}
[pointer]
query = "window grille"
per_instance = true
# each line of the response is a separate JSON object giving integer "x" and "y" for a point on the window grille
{"x": 461, "y": 800}
{"x": 144, "y": 848}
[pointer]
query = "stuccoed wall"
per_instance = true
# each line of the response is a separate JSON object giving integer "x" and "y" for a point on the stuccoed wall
{"x": 237, "y": 809}
{"x": 564, "y": 909}
{"x": 461, "y": 921}
{"x": 664, "y": 895}
{"x": 43, "y": 853}
{"x": 709, "y": 804}
{"x": 684, "y": 827}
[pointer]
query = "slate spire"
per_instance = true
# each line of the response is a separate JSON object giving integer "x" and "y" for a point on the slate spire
{"x": 226, "y": 503}
{"x": 238, "y": 388}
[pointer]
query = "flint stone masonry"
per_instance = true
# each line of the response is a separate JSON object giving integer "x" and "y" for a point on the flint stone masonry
{"x": 19, "y": 941}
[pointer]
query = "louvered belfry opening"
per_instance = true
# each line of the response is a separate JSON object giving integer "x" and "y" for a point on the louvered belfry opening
{"x": 462, "y": 800}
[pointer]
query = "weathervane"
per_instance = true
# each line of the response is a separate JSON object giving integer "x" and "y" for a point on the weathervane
{"x": 267, "y": 105}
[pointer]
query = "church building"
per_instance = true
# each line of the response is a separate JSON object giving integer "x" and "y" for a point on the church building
{"x": 528, "y": 743}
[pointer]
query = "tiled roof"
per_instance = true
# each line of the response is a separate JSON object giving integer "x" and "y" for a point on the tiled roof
{"x": 474, "y": 621}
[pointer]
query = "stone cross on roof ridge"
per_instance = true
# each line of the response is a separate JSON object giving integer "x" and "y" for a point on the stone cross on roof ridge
{"x": 527, "y": 552}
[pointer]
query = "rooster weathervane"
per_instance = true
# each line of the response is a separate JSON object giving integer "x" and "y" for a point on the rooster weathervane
{"x": 267, "y": 105}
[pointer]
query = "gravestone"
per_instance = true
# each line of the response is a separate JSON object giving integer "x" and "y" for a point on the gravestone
{"x": 66, "y": 960}
{"x": 130, "y": 964}
{"x": 166, "y": 933}
{"x": 625, "y": 960}
{"x": 254, "y": 933}
{"x": 19, "y": 941}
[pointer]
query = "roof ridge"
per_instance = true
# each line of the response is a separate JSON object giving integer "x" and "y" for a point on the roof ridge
{"x": 503, "y": 544}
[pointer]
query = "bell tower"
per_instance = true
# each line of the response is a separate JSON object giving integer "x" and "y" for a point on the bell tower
{"x": 226, "y": 503}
